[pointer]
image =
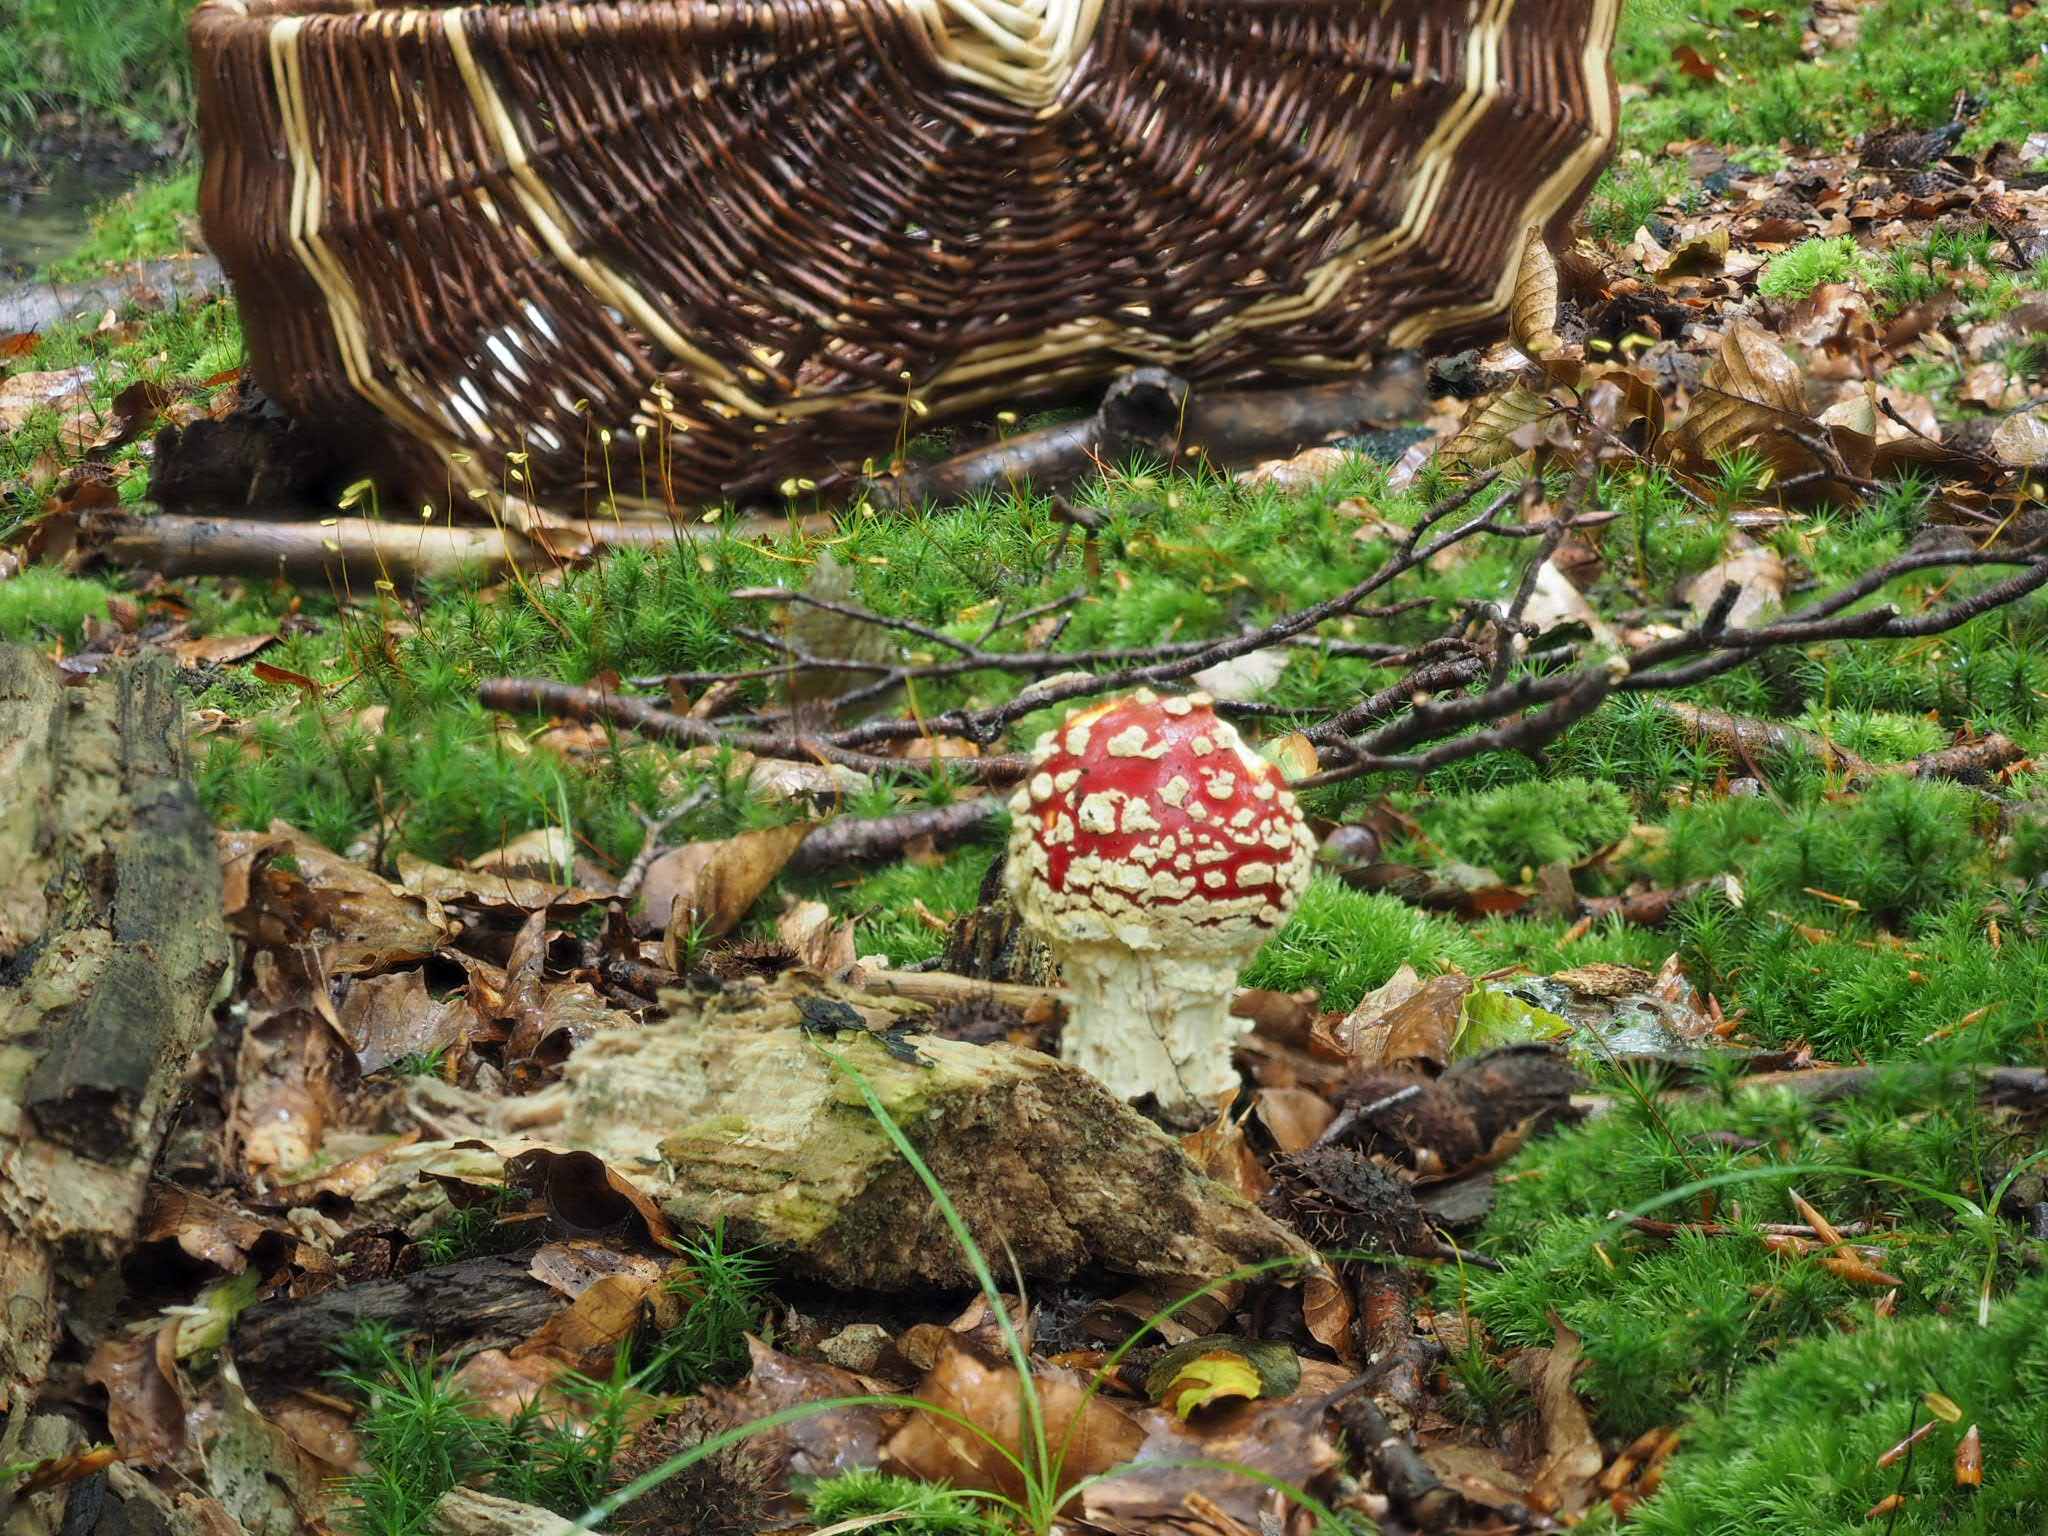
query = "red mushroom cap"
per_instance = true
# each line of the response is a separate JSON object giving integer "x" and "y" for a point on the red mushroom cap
{"x": 1149, "y": 820}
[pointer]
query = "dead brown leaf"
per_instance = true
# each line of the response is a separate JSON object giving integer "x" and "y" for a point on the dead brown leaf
{"x": 1532, "y": 314}
{"x": 1749, "y": 393}
{"x": 212, "y": 650}
{"x": 1566, "y": 1476}
{"x": 492, "y": 889}
{"x": 820, "y": 941}
{"x": 387, "y": 1017}
{"x": 286, "y": 1091}
{"x": 584, "y": 1194}
{"x": 357, "y": 921}
{"x": 1421, "y": 1027}
{"x": 145, "y": 1408}
{"x": 1284, "y": 1439}
{"x": 1299, "y": 473}
{"x": 1098, "y": 1435}
{"x": 59, "y": 389}
{"x": 1359, "y": 1037}
{"x": 1759, "y": 576}
{"x": 1220, "y": 1150}
{"x": 1294, "y": 1117}
{"x": 822, "y": 1444}
{"x": 711, "y": 885}
{"x": 2022, "y": 438}
{"x": 204, "y": 1228}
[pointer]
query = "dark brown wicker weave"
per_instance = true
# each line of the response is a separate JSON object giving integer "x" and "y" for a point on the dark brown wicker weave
{"x": 672, "y": 251}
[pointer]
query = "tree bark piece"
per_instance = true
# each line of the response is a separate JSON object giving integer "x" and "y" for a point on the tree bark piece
{"x": 739, "y": 1106}
{"x": 486, "y": 1303}
{"x": 111, "y": 944}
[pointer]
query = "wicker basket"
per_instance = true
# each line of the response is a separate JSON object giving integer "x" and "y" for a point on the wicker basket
{"x": 670, "y": 252}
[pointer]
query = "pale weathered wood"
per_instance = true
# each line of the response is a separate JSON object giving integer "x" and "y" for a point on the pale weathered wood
{"x": 111, "y": 946}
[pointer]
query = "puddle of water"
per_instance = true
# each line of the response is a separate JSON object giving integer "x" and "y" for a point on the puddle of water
{"x": 54, "y": 223}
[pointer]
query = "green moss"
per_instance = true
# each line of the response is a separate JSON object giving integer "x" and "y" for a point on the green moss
{"x": 919, "y": 1508}
{"x": 1526, "y": 825}
{"x": 1347, "y": 942}
{"x": 1670, "y": 1322}
{"x": 1631, "y": 192}
{"x": 1794, "y": 274}
{"x": 40, "y": 606}
{"x": 1901, "y": 849}
{"x": 1796, "y": 1450}
{"x": 1880, "y": 736}
{"x": 1902, "y": 70}
{"x": 890, "y": 897}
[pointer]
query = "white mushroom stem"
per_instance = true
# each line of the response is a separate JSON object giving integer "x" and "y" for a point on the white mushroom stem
{"x": 1152, "y": 1021}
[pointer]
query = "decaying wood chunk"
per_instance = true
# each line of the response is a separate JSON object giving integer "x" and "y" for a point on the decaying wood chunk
{"x": 742, "y": 1105}
{"x": 492, "y": 1302}
{"x": 111, "y": 946}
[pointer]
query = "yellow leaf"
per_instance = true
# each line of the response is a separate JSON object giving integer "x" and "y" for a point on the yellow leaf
{"x": 1210, "y": 1379}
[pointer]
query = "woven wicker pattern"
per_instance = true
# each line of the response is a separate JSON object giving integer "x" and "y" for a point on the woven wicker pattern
{"x": 675, "y": 251}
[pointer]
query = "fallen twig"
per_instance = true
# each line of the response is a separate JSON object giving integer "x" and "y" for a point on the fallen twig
{"x": 537, "y": 696}
{"x": 860, "y": 839}
{"x": 1746, "y": 740}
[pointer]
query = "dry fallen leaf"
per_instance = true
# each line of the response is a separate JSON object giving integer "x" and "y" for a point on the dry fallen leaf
{"x": 710, "y": 885}
{"x": 820, "y": 941}
{"x": 2022, "y": 438}
{"x": 21, "y": 393}
{"x": 215, "y": 649}
{"x": 1098, "y": 1435}
{"x": 355, "y": 920}
{"x": 1294, "y": 1117}
{"x": 145, "y": 1409}
{"x": 1565, "y": 1476}
{"x": 1305, "y": 469}
{"x": 1532, "y": 315}
{"x": 1749, "y": 394}
{"x": 814, "y": 1445}
{"x": 1554, "y": 601}
{"x": 205, "y": 1228}
{"x": 1759, "y": 576}
{"x": 489, "y": 887}
{"x": 387, "y": 1017}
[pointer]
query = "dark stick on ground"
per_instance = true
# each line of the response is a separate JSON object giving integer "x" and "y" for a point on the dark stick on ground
{"x": 1152, "y": 413}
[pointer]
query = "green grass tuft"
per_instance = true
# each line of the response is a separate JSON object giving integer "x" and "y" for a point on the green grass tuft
{"x": 725, "y": 1297}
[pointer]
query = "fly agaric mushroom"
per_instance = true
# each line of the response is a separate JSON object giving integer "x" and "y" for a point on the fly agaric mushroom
{"x": 1154, "y": 852}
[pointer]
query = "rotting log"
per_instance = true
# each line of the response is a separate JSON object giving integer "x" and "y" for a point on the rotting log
{"x": 111, "y": 945}
{"x": 742, "y": 1106}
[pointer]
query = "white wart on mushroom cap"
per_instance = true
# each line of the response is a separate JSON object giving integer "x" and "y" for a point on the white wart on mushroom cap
{"x": 1154, "y": 852}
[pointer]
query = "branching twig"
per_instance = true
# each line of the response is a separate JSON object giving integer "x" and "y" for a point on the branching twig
{"x": 1420, "y": 723}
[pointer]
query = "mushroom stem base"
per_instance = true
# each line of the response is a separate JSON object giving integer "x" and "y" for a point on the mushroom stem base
{"x": 1152, "y": 1023}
